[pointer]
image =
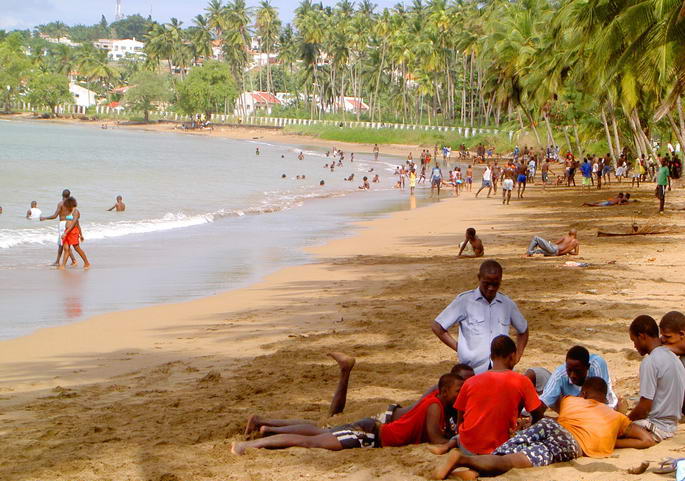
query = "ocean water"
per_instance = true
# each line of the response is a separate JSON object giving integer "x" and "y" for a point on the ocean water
{"x": 203, "y": 215}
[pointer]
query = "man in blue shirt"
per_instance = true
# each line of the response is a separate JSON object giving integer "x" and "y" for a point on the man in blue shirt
{"x": 586, "y": 170}
{"x": 482, "y": 314}
{"x": 568, "y": 379}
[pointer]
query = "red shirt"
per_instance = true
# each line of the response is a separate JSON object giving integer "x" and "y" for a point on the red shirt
{"x": 491, "y": 403}
{"x": 411, "y": 428}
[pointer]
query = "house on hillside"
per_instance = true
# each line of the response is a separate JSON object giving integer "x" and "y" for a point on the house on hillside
{"x": 82, "y": 96}
{"x": 256, "y": 102}
{"x": 104, "y": 44}
{"x": 353, "y": 104}
{"x": 124, "y": 47}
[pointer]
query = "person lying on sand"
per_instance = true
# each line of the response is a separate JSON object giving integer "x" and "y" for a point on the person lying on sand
{"x": 489, "y": 404}
{"x": 471, "y": 246}
{"x": 395, "y": 411}
{"x": 569, "y": 378}
{"x": 662, "y": 382}
{"x": 619, "y": 199}
{"x": 568, "y": 244}
{"x": 424, "y": 423}
{"x": 586, "y": 426}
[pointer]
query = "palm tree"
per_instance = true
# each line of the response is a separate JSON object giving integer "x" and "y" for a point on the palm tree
{"x": 268, "y": 26}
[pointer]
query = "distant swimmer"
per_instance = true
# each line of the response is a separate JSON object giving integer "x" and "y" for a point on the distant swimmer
{"x": 376, "y": 179}
{"x": 350, "y": 178}
{"x": 119, "y": 206}
{"x": 301, "y": 156}
{"x": 322, "y": 183}
{"x": 61, "y": 212}
{"x": 257, "y": 151}
{"x": 283, "y": 176}
{"x": 365, "y": 184}
{"x": 282, "y": 156}
{"x": 34, "y": 212}
{"x": 73, "y": 235}
{"x": 352, "y": 157}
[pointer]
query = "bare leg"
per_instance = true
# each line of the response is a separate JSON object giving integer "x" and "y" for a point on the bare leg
{"x": 254, "y": 423}
{"x": 60, "y": 248}
{"x": 487, "y": 465}
{"x": 280, "y": 441}
{"x": 303, "y": 429}
{"x": 346, "y": 364}
{"x": 77, "y": 248}
{"x": 66, "y": 251}
{"x": 441, "y": 449}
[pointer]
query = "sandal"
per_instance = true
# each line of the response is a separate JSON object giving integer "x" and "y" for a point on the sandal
{"x": 668, "y": 465}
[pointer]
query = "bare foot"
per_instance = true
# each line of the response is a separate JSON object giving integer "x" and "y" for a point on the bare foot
{"x": 438, "y": 449}
{"x": 86, "y": 267}
{"x": 74, "y": 263}
{"x": 345, "y": 362}
{"x": 443, "y": 470}
{"x": 252, "y": 425}
{"x": 60, "y": 267}
{"x": 238, "y": 449}
{"x": 466, "y": 475}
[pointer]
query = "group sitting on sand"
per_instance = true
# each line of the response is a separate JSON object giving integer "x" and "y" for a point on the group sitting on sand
{"x": 475, "y": 414}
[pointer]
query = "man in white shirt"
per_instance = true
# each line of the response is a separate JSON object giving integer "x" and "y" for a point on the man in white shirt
{"x": 34, "y": 212}
{"x": 487, "y": 180}
{"x": 482, "y": 314}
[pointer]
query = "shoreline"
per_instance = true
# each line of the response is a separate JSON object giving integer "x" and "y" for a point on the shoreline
{"x": 265, "y": 134}
{"x": 164, "y": 390}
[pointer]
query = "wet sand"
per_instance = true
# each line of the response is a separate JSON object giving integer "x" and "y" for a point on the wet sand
{"x": 160, "y": 393}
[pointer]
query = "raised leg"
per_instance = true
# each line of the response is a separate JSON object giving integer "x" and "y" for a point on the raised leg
{"x": 346, "y": 363}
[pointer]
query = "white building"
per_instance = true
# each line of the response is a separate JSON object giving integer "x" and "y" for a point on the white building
{"x": 353, "y": 104}
{"x": 104, "y": 43}
{"x": 254, "y": 102}
{"x": 82, "y": 96}
{"x": 127, "y": 46}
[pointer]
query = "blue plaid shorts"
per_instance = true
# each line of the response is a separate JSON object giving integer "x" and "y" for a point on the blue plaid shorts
{"x": 544, "y": 443}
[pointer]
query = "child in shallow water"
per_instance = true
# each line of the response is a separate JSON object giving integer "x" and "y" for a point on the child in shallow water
{"x": 72, "y": 234}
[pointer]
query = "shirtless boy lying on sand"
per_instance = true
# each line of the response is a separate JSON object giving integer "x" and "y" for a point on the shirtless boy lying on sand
{"x": 586, "y": 426}
{"x": 425, "y": 422}
{"x": 566, "y": 245}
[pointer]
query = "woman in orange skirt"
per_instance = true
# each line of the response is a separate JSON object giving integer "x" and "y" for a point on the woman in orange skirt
{"x": 72, "y": 234}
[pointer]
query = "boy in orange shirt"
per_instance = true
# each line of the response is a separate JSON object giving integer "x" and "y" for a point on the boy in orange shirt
{"x": 586, "y": 426}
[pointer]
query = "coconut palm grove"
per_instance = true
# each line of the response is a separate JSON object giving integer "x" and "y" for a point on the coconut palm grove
{"x": 579, "y": 73}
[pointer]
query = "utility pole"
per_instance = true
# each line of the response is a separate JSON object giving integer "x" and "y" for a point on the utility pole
{"x": 118, "y": 12}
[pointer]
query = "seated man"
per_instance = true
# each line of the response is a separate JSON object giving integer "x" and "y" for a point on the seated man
{"x": 472, "y": 246}
{"x": 489, "y": 404}
{"x": 566, "y": 245}
{"x": 585, "y": 427}
{"x": 539, "y": 377}
{"x": 568, "y": 379}
{"x": 672, "y": 330}
{"x": 662, "y": 382}
{"x": 424, "y": 423}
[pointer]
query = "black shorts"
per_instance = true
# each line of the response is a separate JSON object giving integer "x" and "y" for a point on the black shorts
{"x": 360, "y": 434}
{"x": 660, "y": 192}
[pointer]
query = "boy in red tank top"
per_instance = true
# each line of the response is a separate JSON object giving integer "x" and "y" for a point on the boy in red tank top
{"x": 425, "y": 422}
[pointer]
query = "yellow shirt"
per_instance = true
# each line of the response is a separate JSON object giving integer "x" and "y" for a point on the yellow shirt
{"x": 594, "y": 425}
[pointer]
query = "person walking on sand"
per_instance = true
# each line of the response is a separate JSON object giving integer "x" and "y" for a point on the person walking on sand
{"x": 119, "y": 205}
{"x": 568, "y": 244}
{"x": 481, "y": 314}
{"x": 507, "y": 183}
{"x": 376, "y": 151}
{"x": 663, "y": 181}
{"x": 487, "y": 181}
{"x": 436, "y": 179}
{"x": 412, "y": 181}
{"x": 34, "y": 212}
{"x": 61, "y": 212}
{"x": 73, "y": 235}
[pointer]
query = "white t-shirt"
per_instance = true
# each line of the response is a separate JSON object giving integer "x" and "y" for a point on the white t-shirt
{"x": 35, "y": 213}
{"x": 487, "y": 175}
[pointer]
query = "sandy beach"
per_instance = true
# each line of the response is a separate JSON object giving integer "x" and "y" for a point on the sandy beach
{"x": 160, "y": 393}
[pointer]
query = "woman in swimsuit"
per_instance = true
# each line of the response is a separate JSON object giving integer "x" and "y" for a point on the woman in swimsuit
{"x": 72, "y": 234}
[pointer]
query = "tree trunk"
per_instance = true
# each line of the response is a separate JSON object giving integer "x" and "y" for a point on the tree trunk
{"x": 463, "y": 95}
{"x": 617, "y": 139}
{"x": 606, "y": 131}
{"x": 378, "y": 83}
{"x": 680, "y": 135}
{"x": 471, "y": 90}
{"x": 581, "y": 153}
{"x": 550, "y": 135}
{"x": 568, "y": 140}
{"x": 147, "y": 116}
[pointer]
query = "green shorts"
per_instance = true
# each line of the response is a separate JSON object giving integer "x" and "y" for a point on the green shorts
{"x": 587, "y": 181}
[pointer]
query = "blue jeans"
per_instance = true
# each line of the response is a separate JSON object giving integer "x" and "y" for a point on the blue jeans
{"x": 538, "y": 245}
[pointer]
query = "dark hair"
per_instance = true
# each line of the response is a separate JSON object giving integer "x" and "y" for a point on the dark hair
{"x": 579, "y": 353}
{"x": 644, "y": 325}
{"x": 457, "y": 369}
{"x": 471, "y": 231}
{"x": 447, "y": 380}
{"x": 597, "y": 385}
{"x": 66, "y": 193}
{"x": 673, "y": 321}
{"x": 502, "y": 346}
{"x": 490, "y": 267}
{"x": 70, "y": 202}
